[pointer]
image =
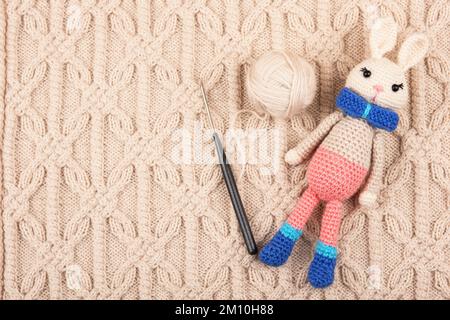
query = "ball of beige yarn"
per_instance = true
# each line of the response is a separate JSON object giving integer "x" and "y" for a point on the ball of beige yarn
{"x": 281, "y": 84}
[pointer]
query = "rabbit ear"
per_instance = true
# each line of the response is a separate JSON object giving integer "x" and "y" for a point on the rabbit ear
{"x": 383, "y": 36}
{"x": 413, "y": 50}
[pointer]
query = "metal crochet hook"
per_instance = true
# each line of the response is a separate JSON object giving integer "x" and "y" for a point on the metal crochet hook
{"x": 231, "y": 185}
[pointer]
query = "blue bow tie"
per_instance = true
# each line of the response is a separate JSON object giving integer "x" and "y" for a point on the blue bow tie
{"x": 356, "y": 106}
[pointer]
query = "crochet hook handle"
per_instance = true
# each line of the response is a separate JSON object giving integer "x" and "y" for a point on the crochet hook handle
{"x": 231, "y": 184}
{"x": 235, "y": 197}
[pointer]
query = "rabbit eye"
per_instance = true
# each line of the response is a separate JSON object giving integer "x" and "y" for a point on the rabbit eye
{"x": 366, "y": 72}
{"x": 396, "y": 87}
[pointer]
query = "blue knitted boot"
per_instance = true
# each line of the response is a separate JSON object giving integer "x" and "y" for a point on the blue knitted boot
{"x": 278, "y": 250}
{"x": 321, "y": 270}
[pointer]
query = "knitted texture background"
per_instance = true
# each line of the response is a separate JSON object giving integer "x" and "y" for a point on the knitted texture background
{"x": 94, "y": 205}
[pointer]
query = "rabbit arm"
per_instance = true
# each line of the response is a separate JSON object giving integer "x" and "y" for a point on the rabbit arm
{"x": 370, "y": 193}
{"x": 307, "y": 145}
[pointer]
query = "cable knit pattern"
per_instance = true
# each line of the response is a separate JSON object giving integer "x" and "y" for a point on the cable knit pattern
{"x": 2, "y": 115}
{"x": 95, "y": 208}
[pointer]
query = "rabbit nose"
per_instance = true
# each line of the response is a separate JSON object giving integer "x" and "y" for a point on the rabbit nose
{"x": 378, "y": 88}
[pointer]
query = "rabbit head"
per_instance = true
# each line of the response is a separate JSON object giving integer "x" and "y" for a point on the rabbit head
{"x": 378, "y": 79}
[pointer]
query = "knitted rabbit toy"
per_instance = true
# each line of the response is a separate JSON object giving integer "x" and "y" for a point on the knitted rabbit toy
{"x": 351, "y": 147}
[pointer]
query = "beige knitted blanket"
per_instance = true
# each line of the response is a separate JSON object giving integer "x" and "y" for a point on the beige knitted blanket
{"x": 97, "y": 203}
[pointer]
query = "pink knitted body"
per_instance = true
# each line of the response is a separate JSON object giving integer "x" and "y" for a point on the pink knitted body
{"x": 333, "y": 177}
{"x": 339, "y": 166}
